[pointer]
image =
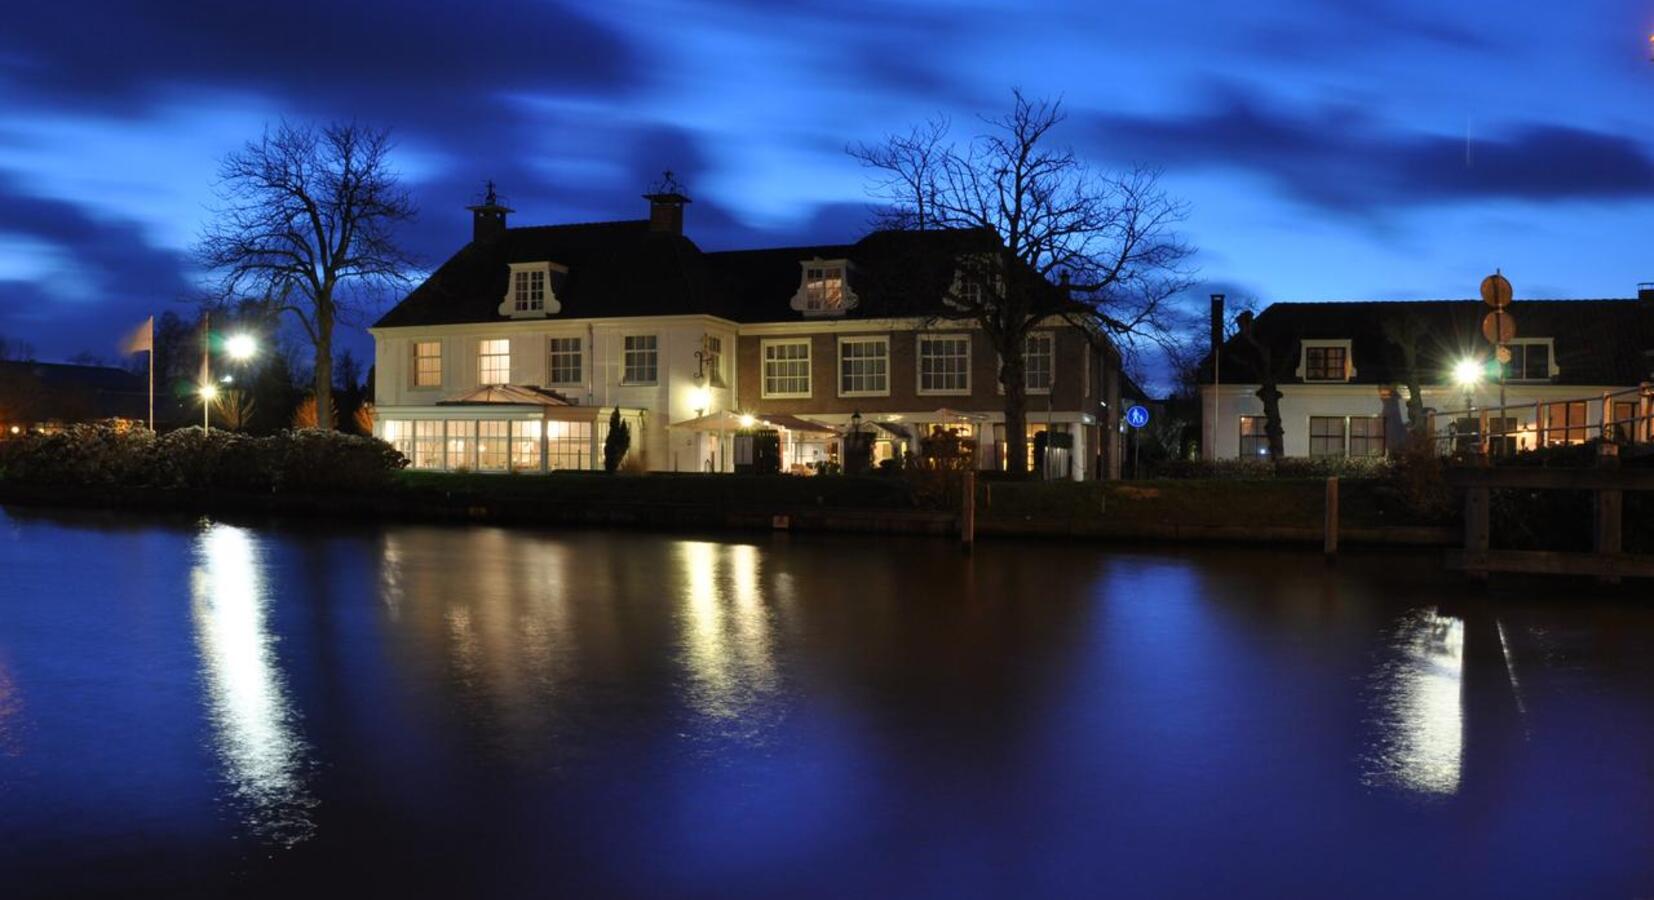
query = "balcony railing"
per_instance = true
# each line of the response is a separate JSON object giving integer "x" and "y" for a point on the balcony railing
{"x": 1624, "y": 417}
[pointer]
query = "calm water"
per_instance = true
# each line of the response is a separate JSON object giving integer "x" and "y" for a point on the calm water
{"x": 213, "y": 709}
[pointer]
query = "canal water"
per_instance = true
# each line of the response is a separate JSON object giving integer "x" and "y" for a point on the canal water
{"x": 199, "y": 708}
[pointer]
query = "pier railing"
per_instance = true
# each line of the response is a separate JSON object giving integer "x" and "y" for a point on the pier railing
{"x": 1624, "y": 417}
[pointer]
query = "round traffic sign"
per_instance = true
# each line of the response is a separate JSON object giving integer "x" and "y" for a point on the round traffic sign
{"x": 1496, "y": 291}
{"x": 1499, "y": 327}
{"x": 1137, "y": 416}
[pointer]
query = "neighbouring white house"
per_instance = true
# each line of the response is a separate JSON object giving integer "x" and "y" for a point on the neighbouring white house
{"x": 1342, "y": 368}
{"x": 513, "y": 354}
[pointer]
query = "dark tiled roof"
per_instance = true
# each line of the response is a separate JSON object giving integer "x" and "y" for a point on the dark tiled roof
{"x": 1597, "y": 342}
{"x": 615, "y": 269}
{"x": 625, "y": 269}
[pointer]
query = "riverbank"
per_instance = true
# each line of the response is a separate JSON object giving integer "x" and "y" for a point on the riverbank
{"x": 1287, "y": 511}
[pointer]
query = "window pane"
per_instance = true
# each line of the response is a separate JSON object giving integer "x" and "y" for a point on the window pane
{"x": 568, "y": 445}
{"x": 641, "y": 359}
{"x": 1037, "y": 362}
{"x": 492, "y": 446}
{"x": 1254, "y": 439}
{"x": 1537, "y": 365}
{"x": 566, "y": 364}
{"x": 1326, "y": 436}
{"x": 864, "y": 366}
{"x": 427, "y": 445}
{"x": 944, "y": 364}
{"x": 462, "y": 444}
{"x": 494, "y": 361}
{"x": 787, "y": 368}
{"x": 428, "y": 364}
{"x": 525, "y": 446}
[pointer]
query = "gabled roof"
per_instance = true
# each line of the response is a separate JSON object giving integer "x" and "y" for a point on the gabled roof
{"x": 614, "y": 269}
{"x": 625, "y": 269}
{"x": 509, "y": 394}
{"x": 1597, "y": 342}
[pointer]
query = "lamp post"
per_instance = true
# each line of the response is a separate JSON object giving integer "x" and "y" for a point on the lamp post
{"x": 1468, "y": 373}
{"x": 239, "y": 347}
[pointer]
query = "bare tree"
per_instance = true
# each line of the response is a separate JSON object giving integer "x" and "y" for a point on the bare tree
{"x": 306, "y": 225}
{"x": 1055, "y": 238}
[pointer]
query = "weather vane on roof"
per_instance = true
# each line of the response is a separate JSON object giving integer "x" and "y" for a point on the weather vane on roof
{"x": 490, "y": 198}
{"x": 668, "y": 184}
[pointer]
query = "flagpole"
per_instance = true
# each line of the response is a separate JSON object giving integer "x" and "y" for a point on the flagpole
{"x": 152, "y": 376}
{"x": 206, "y": 368}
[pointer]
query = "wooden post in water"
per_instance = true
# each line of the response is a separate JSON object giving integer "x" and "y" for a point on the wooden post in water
{"x": 1329, "y": 529}
{"x": 967, "y": 509}
{"x": 1609, "y": 508}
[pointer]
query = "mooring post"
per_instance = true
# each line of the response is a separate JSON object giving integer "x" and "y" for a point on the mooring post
{"x": 1476, "y": 507}
{"x": 1329, "y": 529}
{"x": 967, "y": 509}
{"x": 1609, "y": 503}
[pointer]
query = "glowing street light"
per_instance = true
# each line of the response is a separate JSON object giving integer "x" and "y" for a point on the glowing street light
{"x": 240, "y": 346}
{"x": 1467, "y": 373}
{"x": 209, "y": 391}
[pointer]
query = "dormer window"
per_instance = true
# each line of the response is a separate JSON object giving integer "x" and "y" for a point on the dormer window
{"x": 1531, "y": 359}
{"x": 1326, "y": 361}
{"x": 530, "y": 292}
{"x": 825, "y": 288}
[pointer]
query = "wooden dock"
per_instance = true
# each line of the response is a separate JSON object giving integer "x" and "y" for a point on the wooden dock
{"x": 1607, "y": 562}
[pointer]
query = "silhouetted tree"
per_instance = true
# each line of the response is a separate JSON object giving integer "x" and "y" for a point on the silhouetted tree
{"x": 1407, "y": 333}
{"x": 305, "y": 221}
{"x": 1098, "y": 249}
{"x": 617, "y": 443}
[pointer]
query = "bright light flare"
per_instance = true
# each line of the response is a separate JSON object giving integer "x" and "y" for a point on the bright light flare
{"x": 747, "y": 421}
{"x": 1467, "y": 372}
{"x": 209, "y": 392}
{"x": 240, "y": 346}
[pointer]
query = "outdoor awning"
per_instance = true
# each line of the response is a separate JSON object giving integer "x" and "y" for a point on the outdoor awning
{"x": 727, "y": 420}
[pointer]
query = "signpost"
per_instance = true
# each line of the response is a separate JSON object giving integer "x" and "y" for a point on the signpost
{"x": 1137, "y": 417}
{"x": 1499, "y": 327}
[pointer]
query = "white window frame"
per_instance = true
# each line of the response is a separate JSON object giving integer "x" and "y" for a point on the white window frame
{"x": 413, "y": 373}
{"x": 883, "y": 339}
{"x": 801, "y": 298}
{"x": 626, "y": 362}
{"x": 919, "y": 364}
{"x": 483, "y": 356}
{"x": 764, "y": 368}
{"x": 712, "y": 346}
{"x": 550, "y": 304}
{"x": 1551, "y": 370}
{"x": 1051, "y": 364}
{"x": 1303, "y": 360}
{"x": 552, "y": 353}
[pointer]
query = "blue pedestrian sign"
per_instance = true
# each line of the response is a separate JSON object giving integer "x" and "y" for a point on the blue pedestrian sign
{"x": 1137, "y": 416}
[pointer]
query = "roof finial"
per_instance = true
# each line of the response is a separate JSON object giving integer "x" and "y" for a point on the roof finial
{"x": 668, "y": 184}
{"x": 491, "y": 198}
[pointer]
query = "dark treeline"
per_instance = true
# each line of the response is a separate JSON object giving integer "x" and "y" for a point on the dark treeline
{"x": 265, "y": 394}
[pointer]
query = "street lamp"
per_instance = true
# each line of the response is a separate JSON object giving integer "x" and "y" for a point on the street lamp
{"x": 1467, "y": 373}
{"x": 240, "y": 347}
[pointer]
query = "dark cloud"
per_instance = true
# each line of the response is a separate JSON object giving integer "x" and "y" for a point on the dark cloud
{"x": 1325, "y": 31}
{"x": 1340, "y": 158}
{"x": 390, "y": 56}
{"x": 108, "y": 277}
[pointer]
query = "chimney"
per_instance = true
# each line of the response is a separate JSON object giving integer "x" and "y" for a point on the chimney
{"x": 488, "y": 217}
{"x": 666, "y": 202}
{"x": 1217, "y": 322}
{"x": 1645, "y": 292}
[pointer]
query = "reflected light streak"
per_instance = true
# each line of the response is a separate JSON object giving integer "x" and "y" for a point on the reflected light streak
{"x": 1421, "y": 706}
{"x": 255, "y": 724}
{"x": 11, "y": 704}
{"x": 727, "y": 629}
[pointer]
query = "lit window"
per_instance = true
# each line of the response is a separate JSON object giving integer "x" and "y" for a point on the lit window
{"x": 945, "y": 364}
{"x": 1036, "y": 360}
{"x": 427, "y": 364}
{"x": 787, "y": 368}
{"x": 525, "y": 446}
{"x": 566, "y": 366}
{"x": 642, "y": 359}
{"x": 427, "y": 445}
{"x": 494, "y": 361}
{"x": 493, "y": 449}
{"x": 1254, "y": 437}
{"x": 1565, "y": 423}
{"x": 864, "y": 366}
{"x": 1325, "y": 364}
{"x": 569, "y": 445}
{"x": 824, "y": 288}
{"x": 530, "y": 291}
{"x": 399, "y": 434}
{"x": 462, "y": 444}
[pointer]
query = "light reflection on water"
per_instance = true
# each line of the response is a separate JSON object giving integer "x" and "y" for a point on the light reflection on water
{"x": 255, "y": 726}
{"x": 11, "y": 706}
{"x": 727, "y": 632}
{"x": 1420, "y": 699}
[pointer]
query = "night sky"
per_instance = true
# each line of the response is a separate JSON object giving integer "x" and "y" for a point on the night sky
{"x": 1327, "y": 149}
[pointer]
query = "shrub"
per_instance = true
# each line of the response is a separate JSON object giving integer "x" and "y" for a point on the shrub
{"x": 190, "y": 458}
{"x": 618, "y": 441}
{"x": 1262, "y": 468}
